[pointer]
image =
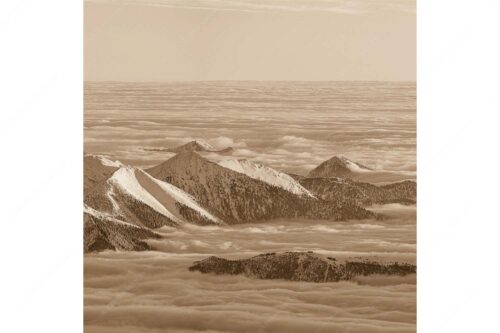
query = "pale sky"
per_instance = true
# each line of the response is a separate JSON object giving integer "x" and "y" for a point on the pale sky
{"x": 191, "y": 40}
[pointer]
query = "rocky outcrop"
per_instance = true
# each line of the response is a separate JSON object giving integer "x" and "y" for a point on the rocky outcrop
{"x": 299, "y": 266}
{"x": 364, "y": 194}
{"x": 237, "y": 198}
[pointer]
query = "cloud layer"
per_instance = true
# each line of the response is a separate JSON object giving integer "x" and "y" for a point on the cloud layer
{"x": 289, "y": 126}
{"x": 154, "y": 291}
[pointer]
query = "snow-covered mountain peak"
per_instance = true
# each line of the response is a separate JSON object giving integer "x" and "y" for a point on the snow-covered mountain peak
{"x": 266, "y": 174}
{"x": 338, "y": 166}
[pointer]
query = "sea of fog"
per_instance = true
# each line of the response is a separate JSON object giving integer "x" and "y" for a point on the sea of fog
{"x": 291, "y": 126}
{"x": 155, "y": 292}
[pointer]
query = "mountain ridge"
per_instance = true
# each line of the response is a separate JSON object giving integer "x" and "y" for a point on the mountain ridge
{"x": 124, "y": 204}
{"x": 363, "y": 194}
{"x": 240, "y": 198}
{"x": 299, "y": 266}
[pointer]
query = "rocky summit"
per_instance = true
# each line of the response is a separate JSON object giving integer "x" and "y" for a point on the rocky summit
{"x": 299, "y": 266}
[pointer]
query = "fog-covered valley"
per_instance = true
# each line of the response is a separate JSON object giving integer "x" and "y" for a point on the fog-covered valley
{"x": 153, "y": 290}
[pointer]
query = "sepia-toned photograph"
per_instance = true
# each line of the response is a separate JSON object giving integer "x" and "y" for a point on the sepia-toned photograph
{"x": 249, "y": 166}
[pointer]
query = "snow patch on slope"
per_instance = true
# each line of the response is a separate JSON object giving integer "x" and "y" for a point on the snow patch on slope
{"x": 267, "y": 175}
{"x": 354, "y": 167}
{"x": 125, "y": 179}
{"x": 183, "y": 198}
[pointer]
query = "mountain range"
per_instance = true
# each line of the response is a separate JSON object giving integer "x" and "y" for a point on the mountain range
{"x": 238, "y": 198}
{"x": 123, "y": 205}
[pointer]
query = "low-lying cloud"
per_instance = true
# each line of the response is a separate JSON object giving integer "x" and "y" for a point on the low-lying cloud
{"x": 274, "y": 129}
{"x": 160, "y": 293}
